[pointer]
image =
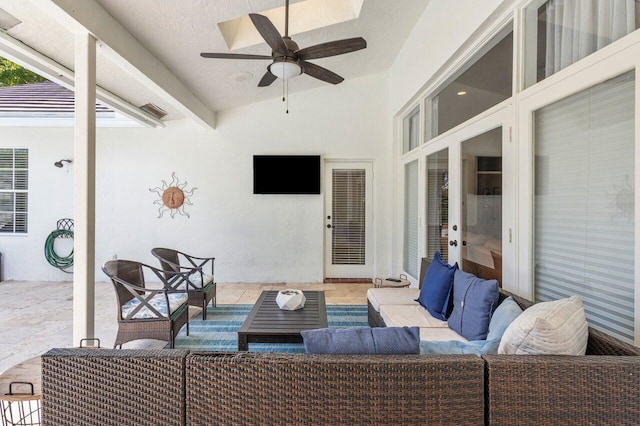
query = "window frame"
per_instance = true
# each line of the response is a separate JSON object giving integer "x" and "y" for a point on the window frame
{"x": 15, "y": 191}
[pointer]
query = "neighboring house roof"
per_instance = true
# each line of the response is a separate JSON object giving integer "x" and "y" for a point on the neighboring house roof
{"x": 48, "y": 104}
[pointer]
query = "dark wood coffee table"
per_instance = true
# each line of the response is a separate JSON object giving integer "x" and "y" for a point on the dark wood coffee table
{"x": 267, "y": 323}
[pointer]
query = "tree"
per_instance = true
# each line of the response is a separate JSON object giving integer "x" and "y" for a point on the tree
{"x": 13, "y": 74}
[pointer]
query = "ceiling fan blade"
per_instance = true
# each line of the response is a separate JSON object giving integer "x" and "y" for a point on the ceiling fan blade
{"x": 269, "y": 33}
{"x": 332, "y": 48}
{"x": 234, "y": 56}
{"x": 320, "y": 73}
{"x": 267, "y": 79}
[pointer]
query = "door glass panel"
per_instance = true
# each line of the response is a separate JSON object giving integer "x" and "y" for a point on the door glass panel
{"x": 349, "y": 221}
{"x": 438, "y": 204}
{"x": 585, "y": 203}
{"x": 481, "y": 206}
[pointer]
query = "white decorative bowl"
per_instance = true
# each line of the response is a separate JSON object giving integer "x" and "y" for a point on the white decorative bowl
{"x": 290, "y": 300}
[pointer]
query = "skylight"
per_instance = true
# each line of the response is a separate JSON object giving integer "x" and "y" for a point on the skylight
{"x": 303, "y": 16}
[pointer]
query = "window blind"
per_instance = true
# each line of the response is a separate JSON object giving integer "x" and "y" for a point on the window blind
{"x": 349, "y": 217}
{"x": 584, "y": 203}
{"x": 411, "y": 219}
{"x": 14, "y": 184}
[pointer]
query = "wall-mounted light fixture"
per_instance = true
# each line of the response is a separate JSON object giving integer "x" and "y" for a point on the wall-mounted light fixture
{"x": 59, "y": 163}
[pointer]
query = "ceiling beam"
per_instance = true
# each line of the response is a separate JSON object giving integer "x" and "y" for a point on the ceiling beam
{"x": 127, "y": 52}
{"x": 23, "y": 55}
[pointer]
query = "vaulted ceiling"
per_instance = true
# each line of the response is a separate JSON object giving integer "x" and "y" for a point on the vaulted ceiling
{"x": 149, "y": 50}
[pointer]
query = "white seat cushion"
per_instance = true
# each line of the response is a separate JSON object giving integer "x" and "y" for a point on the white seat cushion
{"x": 409, "y": 316}
{"x": 197, "y": 281}
{"x": 392, "y": 296}
{"x": 158, "y": 302}
{"x": 439, "y": 334}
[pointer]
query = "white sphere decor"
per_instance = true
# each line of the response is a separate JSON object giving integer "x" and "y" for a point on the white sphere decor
{"x": 290, "y": 300}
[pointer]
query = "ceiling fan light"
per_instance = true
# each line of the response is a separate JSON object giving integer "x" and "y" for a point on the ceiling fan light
{"x": 285, "y": 69}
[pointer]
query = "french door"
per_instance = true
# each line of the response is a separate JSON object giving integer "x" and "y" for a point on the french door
{"x": 468, "y": 189}
{"x": 348, "y": 220}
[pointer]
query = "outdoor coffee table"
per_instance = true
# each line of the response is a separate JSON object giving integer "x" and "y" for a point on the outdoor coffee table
{"x": 267, "y": 323}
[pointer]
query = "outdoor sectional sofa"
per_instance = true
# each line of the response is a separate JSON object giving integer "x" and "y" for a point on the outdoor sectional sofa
{"x": 602, "y": 387}
{"x": 177, "y": 387}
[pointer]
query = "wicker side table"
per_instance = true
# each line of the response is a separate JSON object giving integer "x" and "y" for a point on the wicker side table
{"x": 386, "y": 282}
{"x": 20, "y": 393}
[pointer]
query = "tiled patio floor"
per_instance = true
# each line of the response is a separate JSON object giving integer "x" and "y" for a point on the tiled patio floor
{"x": 37, "y": 316}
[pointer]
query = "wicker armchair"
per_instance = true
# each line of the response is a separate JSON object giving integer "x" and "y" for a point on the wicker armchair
{"x": 147, "y": 313}
{"x": 200, "y": 285}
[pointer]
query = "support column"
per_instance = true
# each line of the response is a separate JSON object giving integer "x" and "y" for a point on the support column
{"x": 84, "y": 164}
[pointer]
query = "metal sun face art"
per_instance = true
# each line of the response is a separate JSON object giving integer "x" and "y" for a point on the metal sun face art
{"x": 173, "y": 197}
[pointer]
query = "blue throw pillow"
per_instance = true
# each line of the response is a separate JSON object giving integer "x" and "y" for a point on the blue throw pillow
{"x": 476, "y": 347}
{"x": 362, "y": 340}
{"x": 474, "y": 301}
{"x": 504, "y": 315}
{"x": 436, "y": 287}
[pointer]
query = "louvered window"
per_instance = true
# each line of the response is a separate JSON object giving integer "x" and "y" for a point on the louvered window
{"x": 349, "y": 213}
{"x": 585, "y": 203}
{"x": 411, "y": 219}
{"x": 14, "y": 183}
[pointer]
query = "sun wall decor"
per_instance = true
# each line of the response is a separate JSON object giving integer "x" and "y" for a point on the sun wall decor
{"x": 173, "y": 197}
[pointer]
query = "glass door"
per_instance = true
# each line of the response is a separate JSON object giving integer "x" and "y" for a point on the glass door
{"x": 467, "y": 197}
{"x": 438, "y": 204}
{"x": 481, "y": 205}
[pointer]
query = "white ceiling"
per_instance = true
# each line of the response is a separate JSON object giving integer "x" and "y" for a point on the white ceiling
{"x": 177, "y": 31}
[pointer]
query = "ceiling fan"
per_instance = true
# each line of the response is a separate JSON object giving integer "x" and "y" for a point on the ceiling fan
{"x": 288, "y": 60}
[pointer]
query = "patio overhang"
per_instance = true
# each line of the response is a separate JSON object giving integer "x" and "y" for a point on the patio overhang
{"x": 119, "y": 47}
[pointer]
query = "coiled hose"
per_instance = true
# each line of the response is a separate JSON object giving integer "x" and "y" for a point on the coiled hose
{"x": 60, "y": 262}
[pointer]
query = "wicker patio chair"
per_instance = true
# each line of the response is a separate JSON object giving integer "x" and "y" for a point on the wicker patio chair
{"x": 147, "y": 313}
{"x": 200, "y": 285}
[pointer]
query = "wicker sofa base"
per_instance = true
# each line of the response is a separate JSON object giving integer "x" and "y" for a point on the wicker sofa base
{"x": 109, "y": 387}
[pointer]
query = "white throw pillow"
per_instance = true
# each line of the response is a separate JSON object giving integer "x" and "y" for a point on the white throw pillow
{"x": 548, "y": 328}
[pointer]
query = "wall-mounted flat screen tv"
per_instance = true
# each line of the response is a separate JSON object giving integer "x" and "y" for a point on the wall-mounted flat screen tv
{"x": 286, "y": 174}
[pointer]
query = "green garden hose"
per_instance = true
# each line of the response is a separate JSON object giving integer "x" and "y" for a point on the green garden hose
{"x": 60, "y": 262}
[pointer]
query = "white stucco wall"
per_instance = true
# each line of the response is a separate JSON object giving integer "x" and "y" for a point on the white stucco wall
{"x": 254, "y": 237}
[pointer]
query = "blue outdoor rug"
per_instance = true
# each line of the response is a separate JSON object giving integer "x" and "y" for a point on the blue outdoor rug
{"x": 220, "y": 330}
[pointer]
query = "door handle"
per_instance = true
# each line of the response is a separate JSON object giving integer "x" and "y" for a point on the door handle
{"x": 453, "y": 243}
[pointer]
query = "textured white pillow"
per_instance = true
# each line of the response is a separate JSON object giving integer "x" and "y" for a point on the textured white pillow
{"x": 548, "y": 328}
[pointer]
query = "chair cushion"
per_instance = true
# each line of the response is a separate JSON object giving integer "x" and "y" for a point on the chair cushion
{"x": 476, "y": 347}
{"x": 548, "y": 328}
{"x": 392, "y": 296}
{"x": 436, "y": 288}
{"x": 408, "y": 316}
{"x": 158, "y": 302}
{"x": 198, "y": 281}
{"x": 474, "y": 301}
{"x": 503, "y": 316}
{"x": 362, "y": 340}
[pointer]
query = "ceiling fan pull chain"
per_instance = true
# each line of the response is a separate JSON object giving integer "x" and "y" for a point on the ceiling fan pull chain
{"x": 287, "y": 83}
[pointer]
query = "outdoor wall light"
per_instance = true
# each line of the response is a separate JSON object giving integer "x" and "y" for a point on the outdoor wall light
{"x": 59, "y": 163}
